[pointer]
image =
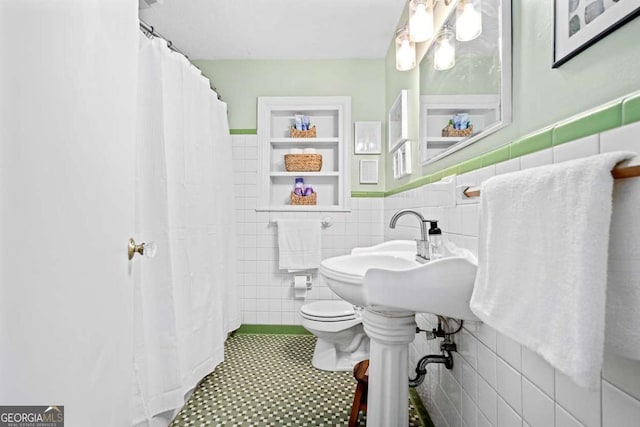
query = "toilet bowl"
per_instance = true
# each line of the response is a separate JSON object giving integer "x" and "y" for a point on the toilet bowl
{"x": 341, "y": 339}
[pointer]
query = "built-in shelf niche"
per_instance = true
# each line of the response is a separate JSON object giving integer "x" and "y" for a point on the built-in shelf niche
{"x": 331, "y": 115}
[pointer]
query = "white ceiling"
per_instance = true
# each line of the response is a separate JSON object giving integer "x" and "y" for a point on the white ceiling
{"x": 277, "y": 29}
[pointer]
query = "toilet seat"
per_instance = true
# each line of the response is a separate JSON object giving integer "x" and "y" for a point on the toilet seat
{"x": 328, "y": 319}
{"x": 329, "y": 326}
{"x": 328, "y": 311}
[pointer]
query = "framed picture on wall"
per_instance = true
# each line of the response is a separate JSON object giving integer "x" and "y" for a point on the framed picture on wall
{"x": 369, "y": 171}
{"x": 368, "y": 137}
{"x": 581, "y": 23}
{"x": 398, "y": 125}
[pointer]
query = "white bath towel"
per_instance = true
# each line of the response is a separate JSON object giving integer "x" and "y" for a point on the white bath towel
{"x": 622, "y": 333}
{"x": 542, "y": 261}
{"x": 299, "y": 242}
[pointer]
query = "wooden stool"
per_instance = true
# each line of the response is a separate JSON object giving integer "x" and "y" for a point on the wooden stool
{"x": 361, "y": 373}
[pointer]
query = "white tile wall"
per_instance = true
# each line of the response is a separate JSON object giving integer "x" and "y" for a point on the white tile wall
{"x": 482, "y": 421}
{"x": 508, "y": 166}
{"x": 499, "y": 383}
{"x": 583, "y": 147}
{"x": 266, "y": 292}
{"x": 618, "y": 408}
{"x": 509, "y": 350}
{"x": 537, "y": 407}
{"x": 487, "y": 401}
{"x": 469, "y": 380}
{"x": 507, "y": 417}
{"x": 469, "y": 410}
{"x": 496, "y": 382}
{"x": 623, "y": 372}
{"x": 624, "y": 138}
{"x": 539, "y": 158}
{"x": 509, "y": 385}
{"x": 487, "y": 365}
{"x": 538, "y": 371}
{"x": 564, "y": 419}
{"x": 468, "y": 348}
{"x": 581, "y": 403}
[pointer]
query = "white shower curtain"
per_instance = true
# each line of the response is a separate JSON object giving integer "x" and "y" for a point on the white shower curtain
{"x": 185, "y": 300}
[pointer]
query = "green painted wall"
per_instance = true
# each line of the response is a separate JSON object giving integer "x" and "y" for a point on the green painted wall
{"x": 241, "y": 82}
{"x": 542, "y": 95}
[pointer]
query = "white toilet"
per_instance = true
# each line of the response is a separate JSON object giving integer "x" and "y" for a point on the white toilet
{"x": 341, "y": 339}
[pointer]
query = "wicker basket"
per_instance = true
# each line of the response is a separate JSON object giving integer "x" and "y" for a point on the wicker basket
{"x": 303, "y": 200}
{"x": 450, "y": 131}
{"x": 311, "y": 133}
{"x": 303, "y": 162}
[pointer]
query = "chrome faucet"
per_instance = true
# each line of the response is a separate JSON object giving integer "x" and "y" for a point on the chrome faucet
{"x": 422, "y": 244}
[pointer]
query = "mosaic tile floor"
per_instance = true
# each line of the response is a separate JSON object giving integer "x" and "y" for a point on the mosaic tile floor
{"x": 268, "y": 380}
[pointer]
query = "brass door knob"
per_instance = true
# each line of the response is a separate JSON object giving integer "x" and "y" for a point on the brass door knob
{"x": 148, "y": 249}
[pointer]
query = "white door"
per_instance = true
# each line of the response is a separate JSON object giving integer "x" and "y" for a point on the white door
{"x": 67, "y": 135}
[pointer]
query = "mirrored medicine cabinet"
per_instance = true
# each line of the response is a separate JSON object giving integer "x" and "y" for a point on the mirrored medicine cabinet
{"x": 476, "y": 80}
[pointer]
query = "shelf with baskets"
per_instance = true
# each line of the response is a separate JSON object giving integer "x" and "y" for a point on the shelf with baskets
{"x": 322, "y": 161}
{"x": 437, "y": 110}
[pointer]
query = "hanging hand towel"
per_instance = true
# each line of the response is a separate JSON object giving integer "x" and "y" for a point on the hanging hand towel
{"x": 622, "y": 333}
{"x": 299, "y": 244}
{"x": 542, "y": 261}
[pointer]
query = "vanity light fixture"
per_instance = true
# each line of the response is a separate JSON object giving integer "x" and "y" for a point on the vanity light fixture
{"x": 444, "y": 56}
{"x": 420, "y": 20}
{"x": 405, "y": 50}
{"x": 468, "y": 20}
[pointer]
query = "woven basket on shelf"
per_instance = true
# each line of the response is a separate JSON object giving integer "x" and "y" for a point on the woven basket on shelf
{"x": 303, "y": 162}
{"x": 311, "y": 133}
{"x": 450, "y": 131}
{"x": 303, "y": 200}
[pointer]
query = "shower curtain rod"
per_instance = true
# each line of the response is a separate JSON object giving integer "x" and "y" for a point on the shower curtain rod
{"x": 150, "y": 31}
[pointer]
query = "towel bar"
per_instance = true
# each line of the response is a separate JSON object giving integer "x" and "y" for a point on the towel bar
{"x": 619, "y": 172}
{"x": 326, "y": 222}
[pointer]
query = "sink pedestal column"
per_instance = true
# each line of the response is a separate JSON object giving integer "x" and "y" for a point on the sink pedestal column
{"x": 388, "y": 398}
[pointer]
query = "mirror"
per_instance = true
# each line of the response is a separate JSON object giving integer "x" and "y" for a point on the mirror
{"x": 477, "y": 87}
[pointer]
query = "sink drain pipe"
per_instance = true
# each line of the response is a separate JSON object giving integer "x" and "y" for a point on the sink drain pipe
{"x": 447, "y": 346}
{"x": 446, "y": 359}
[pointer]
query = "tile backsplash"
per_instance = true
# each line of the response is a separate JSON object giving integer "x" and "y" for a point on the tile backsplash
{"x": 495, "y": 381}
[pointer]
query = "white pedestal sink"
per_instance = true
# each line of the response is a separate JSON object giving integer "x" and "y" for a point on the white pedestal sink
{"x": 387, "y": 281}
